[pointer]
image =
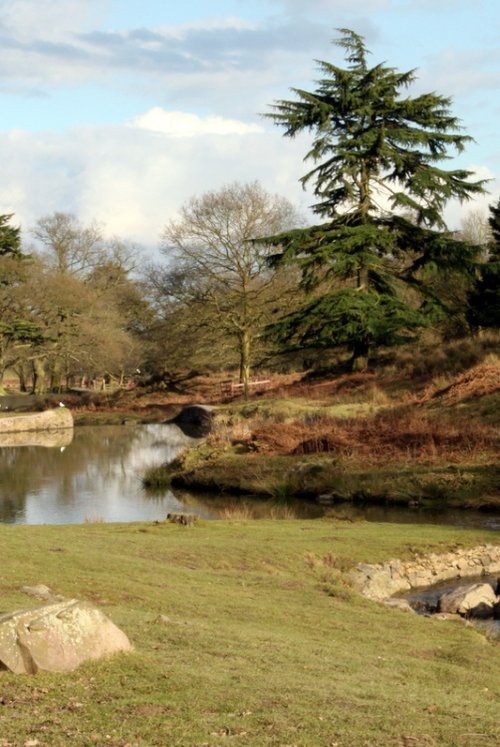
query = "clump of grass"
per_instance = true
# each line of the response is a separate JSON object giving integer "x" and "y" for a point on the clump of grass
{"x": 243, "y": 511}
{"x": 282, "y": 490}
{"x": 238, "y": 512}
{"x": 377, "y": 396}
{"x": 157, "y": 477}
{"x": 329, "y": 571}
{"x": 282, "y": 512}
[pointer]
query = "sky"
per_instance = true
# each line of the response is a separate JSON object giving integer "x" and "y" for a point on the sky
{"x": 120, "y": 111}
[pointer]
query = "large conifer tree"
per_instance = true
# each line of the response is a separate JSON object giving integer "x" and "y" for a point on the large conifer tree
{"x": 381, "y": 192}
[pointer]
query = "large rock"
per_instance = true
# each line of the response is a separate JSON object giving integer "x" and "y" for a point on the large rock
{"x": 476, "y": 600}
{"x": 56, "y": 419}
{"x": 57, "y": 637}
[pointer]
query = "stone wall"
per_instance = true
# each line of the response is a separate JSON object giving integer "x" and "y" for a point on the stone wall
{"x": 383, "y": 580}
{"x": 56, "y": 419}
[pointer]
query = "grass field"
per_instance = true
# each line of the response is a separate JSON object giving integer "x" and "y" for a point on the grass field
{"x": 246, "y": 633}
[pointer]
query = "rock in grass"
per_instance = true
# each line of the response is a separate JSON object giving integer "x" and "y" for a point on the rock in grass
{"x": 41, "y": 591}
{"x": 57, "y": 637}
{"x": 186, "y": 520}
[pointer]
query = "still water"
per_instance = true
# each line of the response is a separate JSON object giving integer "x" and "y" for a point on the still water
{"x": 88, "y": 474}
{"x": 94, "y": 474}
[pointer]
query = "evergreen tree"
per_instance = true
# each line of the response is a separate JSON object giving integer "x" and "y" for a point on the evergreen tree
{"x": 10, "y": 237}
{"x": 484, "y": 298}
{"x": 381, "y": 193}
{"x": 16, "y": 328}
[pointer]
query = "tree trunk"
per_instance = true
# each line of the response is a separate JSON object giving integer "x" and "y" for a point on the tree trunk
{"x": 359, "y": 360}
{"x": 21, "y": 373}
{"x": 38, "y": 377}
{"x": 363, "y": 278}
{"x": 56, "y": 376}
{"x": 245, "y": 347}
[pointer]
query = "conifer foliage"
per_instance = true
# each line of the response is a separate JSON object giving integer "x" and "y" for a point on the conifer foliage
{"x": 484, "y": 298}
{"x": 367, "y": 268}
{"x": 10, "y": 237}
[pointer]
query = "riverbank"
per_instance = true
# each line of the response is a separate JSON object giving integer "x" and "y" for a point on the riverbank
{"x": 248, "y": 633}
{"x": 375, "y": 436}
{"x": 323, "y": 481}
{"x": 354, "y": 439}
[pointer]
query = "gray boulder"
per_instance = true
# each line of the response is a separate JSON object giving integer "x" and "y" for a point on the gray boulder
{"x": 57, "y": 637}
{"x": 476, "y": 600}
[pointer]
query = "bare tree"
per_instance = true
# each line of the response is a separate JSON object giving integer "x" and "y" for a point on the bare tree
{"x": 69, "y": 246}
{"x": 475, "y": 228}
{"x": 214, "y": 247}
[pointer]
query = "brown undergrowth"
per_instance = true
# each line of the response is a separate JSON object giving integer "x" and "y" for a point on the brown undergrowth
{"x": 428, "y": 426}
{"x": 387, "y": 436}
{"x": 479, "y": 381}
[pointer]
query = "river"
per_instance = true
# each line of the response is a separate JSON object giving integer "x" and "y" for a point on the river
{"x": 94, "y": 474}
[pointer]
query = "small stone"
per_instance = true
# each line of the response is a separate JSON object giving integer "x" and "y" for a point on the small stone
{"x": 399, "y": 604}
{"x": 163, "y": 619}
{"x": 40, "y": 591}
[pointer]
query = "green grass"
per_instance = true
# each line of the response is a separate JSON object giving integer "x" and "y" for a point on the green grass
{"x": 281, "y": 410}
{"x": 260, "y": 643}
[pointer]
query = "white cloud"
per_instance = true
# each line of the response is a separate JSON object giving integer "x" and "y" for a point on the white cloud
{"x": 50, "y": 52}
{"x": 50, "y": 19}
{"x": 132, "y": 179}
{"x": 299, "y": 7}
{"x": 183, "y": 124}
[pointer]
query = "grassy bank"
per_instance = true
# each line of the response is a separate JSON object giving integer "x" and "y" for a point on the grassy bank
{"x": 457, "y": 486}
{"x": 357, "y": 437}
{"x": 246, "y": 634}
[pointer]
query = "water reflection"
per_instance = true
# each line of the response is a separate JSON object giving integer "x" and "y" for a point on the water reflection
{"x": 467, "y": 518}
{"x": 96, "y": 476}
{"x": 48, "y": 439}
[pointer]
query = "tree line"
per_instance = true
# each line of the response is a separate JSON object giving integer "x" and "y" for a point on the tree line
{"x": 244, "y": 280}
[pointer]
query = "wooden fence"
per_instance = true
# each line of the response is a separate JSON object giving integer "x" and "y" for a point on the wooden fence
{"x": 238, "y": 387}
